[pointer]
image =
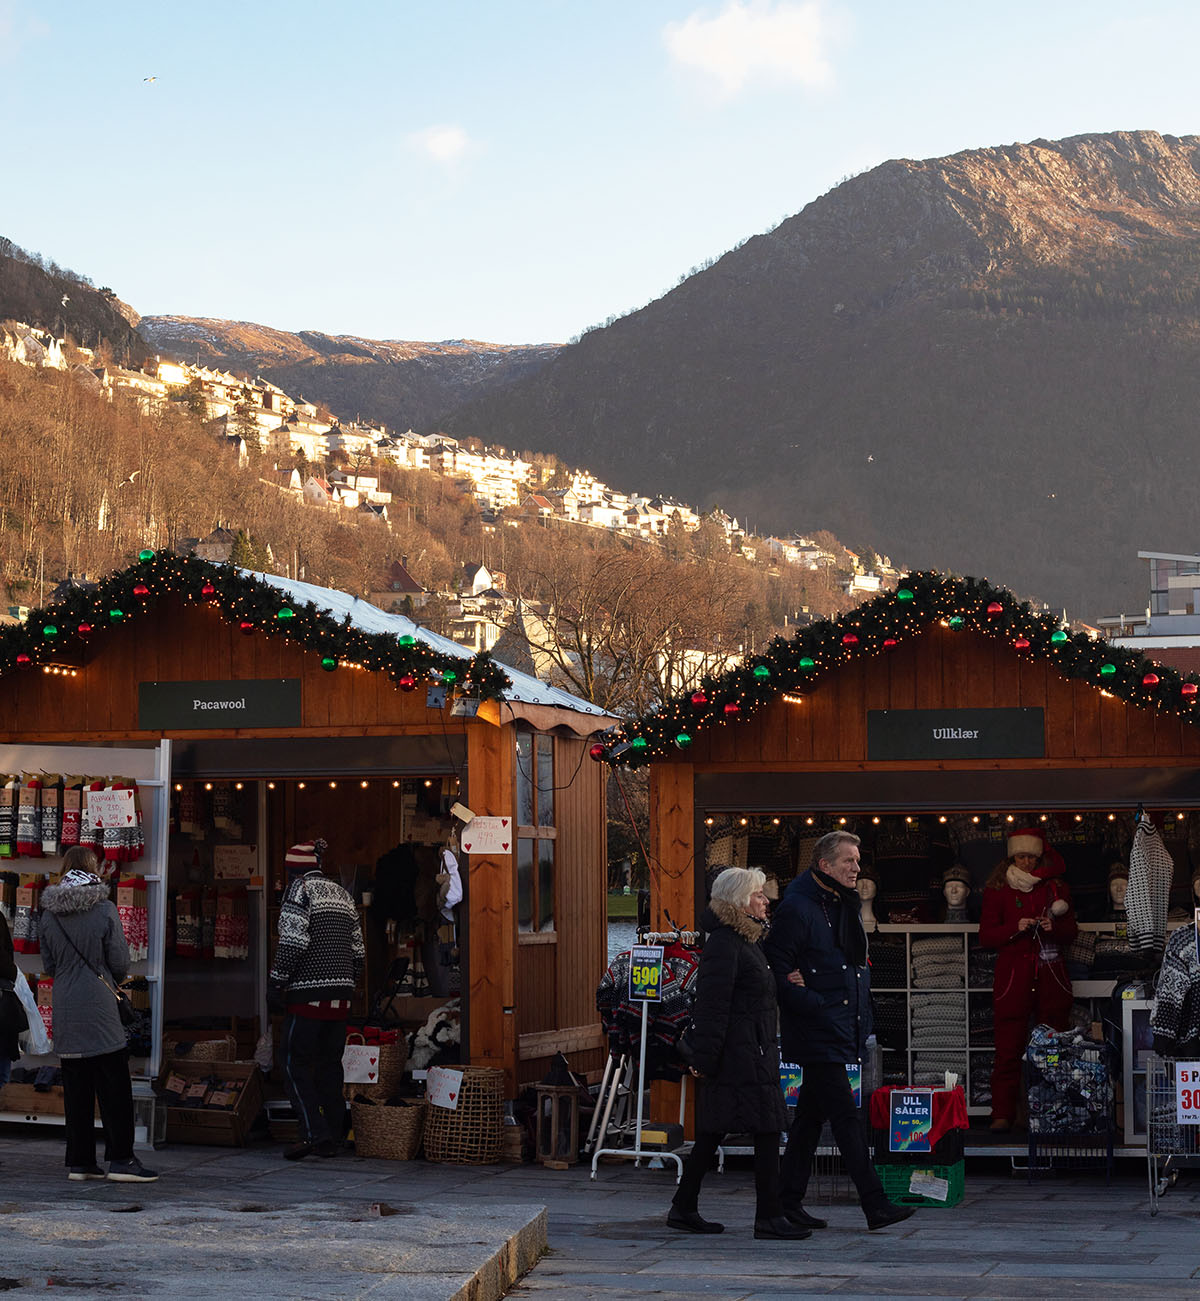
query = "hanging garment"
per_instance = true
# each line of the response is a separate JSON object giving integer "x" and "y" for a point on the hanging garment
{"x": 1148, "y": 898}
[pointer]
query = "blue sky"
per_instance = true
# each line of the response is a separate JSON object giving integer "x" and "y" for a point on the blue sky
{"x": 507, "y": 171}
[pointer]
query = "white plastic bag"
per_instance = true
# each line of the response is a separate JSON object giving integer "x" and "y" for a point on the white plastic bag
{"x": 34, "y": 1041}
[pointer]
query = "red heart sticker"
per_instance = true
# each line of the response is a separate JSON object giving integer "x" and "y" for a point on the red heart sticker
{"x": 504, "y": 844}
{"x": 504, "y": 822}
{"x": 370, "y": 1075}
{"x": 453, "y": 1096}
{"x": 372, "y": 1060}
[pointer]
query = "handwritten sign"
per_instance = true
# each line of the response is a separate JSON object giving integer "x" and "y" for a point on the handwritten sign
{"x": 645, "y": 972}
{"x": 442, "y": 1087}
{"x": 234, "y": 862}
{"x": 910, "y": 1120}
{"x": 487, "y": 836}
{"x": 111, "y": 808}
{"x": 1187, "y": 1093}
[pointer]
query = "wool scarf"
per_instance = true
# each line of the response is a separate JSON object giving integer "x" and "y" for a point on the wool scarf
{"x": 851, "y": 938}
{"x": 1020, "y": 880}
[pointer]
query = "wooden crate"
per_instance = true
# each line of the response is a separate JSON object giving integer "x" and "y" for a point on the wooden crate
{"x": 24, "y": 1099}
{"x": 217, "y": 1128}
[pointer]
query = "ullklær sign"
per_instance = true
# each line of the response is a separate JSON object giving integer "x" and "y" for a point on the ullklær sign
{"x": 956, "y": 734}
{"x": 186, "y": 706}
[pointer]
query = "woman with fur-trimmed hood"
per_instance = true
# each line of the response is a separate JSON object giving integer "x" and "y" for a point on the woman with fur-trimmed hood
{"x": 735, "y": 1056}
{"x": 84, "y": 949}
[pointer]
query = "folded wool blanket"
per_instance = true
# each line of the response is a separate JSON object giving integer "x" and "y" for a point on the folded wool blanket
{"x": 937, "y": 944}
{"x": 947, "y": 981}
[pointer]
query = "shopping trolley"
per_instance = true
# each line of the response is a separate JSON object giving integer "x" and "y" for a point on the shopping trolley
{"x": 1170, "y": 1146}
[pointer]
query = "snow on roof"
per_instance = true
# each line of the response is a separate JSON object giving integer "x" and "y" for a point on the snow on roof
{"x": 525, "y": 688}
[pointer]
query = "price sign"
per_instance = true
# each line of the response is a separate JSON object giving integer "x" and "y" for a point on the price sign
{"x": 645, "y": 972}
{"x": 1187, "y": 1093}
{"x": 910, "y": 1120}
{"x": 111, "y": 808}
{"x": 791, "y": 1077}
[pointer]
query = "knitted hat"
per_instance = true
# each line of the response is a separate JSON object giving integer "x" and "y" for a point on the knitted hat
{"x": 956, "y": 873}
{"x": 1027, "y": 841}
{"x": 306, "y": 856}
{"x": 1118, "y": 869}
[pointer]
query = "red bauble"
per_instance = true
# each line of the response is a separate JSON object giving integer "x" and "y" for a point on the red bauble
{"x": 247, "y": 628}
{"x": 731, "y": 709}
{"x": 597, "y": 752}
{"x": 889, "y": 643}
{"x": 1021, "y": 643}
{"x": 850, "y": 639}
{"x": 1188, "y": 689}
{"x": 1150, "y": 680}
{"x": 84, "y": 630}
{"x": 23, "y": 661}
{"x": 407, "y": 682}
{"x": 208, "y": 591}
{"x": 699, "y": 698}
{"x": 140, "y": 589}
{"x": 994, "y": 608}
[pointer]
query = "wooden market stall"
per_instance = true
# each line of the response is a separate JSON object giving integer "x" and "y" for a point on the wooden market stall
{"x": 946, "y": 710}
{"x": 283, "y": 711}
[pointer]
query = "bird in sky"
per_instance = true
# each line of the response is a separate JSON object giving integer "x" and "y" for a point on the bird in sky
{"x": 131, "y": 478}
{"x": 66, "y": 298}
{"x": 149, "y": 78}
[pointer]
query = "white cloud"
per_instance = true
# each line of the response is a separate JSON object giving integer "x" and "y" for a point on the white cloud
{"x": 756, "y": 40}
{"x": 444, "y": 144}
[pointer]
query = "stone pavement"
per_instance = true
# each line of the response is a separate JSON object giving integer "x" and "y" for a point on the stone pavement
{"x": 234, "y": 1222}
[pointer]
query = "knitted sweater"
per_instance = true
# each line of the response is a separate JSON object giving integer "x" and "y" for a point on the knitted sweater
{"x": 1175, "y": 1019}
{"x": 320, "y": 952}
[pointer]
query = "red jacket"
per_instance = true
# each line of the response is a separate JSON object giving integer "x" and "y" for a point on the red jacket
{"x": 999, "y": 928}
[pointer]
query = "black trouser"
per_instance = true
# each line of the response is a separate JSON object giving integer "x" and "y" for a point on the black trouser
{"x": 312, "y": 1069}
{"x": 826, "y": 1095}
{"x": 699, "y": 1161}
{"x": 103, "y": 1079}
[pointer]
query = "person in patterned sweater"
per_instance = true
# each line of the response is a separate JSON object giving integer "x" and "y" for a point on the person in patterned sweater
{"x": 318, "y": 961}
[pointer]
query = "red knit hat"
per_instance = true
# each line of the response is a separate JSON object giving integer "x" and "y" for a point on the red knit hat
{"x": 1029, "y": 840}
{"x": 304, "y": 857}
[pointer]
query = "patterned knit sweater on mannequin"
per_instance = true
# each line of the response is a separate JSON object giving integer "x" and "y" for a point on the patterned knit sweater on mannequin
{"x": 1175, "y": 1019}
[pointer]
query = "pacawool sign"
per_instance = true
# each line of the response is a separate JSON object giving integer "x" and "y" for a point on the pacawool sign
{"x": 185, "y": 706}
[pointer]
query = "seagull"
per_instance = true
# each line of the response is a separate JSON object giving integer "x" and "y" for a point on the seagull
{"x": 131, "y": 478}
{"x": 149, "y": 78}
{"x": 870, "y": 457}
{"x": 66, "y": 298}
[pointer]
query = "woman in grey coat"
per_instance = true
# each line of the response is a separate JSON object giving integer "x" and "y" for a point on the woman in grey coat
{"x": 84, "y": 949}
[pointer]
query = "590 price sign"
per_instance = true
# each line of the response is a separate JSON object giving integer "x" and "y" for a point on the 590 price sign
{"x": 646, "y": 972}
{"x": 1187, "y": 1093}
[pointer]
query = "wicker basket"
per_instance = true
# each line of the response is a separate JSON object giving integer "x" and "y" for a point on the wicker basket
{"x": 472, "y": 1133}
{"x": 392, "y": 1058}
{"x": 392, "y": 1132}
{"x": 223, "y": 1048}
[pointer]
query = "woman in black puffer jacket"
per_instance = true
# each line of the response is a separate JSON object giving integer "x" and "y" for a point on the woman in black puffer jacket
{"x": 735, "y": 1058}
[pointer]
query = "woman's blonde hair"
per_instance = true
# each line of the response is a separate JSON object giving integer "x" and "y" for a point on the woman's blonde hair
{"x": 735, "y": 885}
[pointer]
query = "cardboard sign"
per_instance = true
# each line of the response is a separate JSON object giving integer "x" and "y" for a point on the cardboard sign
{"x": 234, "y": 862}
{"x": 487, "y": 836}
{"x": 646, "y": 972}
{"x": 442, "y": 1087}
{"x": 791, "y": 1077}
{"x": 1187, "y": 1093}
{"x": 360, "y": 1063}
{"x": 111, "y": 808}
{"x": 910, "y": 1120}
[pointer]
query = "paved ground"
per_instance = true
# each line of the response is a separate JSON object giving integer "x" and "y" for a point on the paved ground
{"x": 225, "y": 1223}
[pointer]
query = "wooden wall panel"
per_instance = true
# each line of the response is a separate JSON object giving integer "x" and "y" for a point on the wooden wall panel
{"x": 1060, "y": 716}
{"x": 1085, "y": 702}
{"x": 672, "y": 843}
{"x": 537, "y": 987}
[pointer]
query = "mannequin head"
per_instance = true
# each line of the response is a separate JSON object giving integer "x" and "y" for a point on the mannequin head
{"x": 867, "y": 889}
{"x": 1118, "y": 883}
{"x": 956, "y": 893}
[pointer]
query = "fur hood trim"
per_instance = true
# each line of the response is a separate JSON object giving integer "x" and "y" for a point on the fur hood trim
{"x": 63, "y": 899}
{"x": 725, "y": 914}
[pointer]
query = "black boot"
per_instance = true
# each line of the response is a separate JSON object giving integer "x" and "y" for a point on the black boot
{"x": 691, "y": 1222}
{"x": 779, "y": 1226}
{"x": 879, "y": 1217}
{"x": 798, "y": 1215}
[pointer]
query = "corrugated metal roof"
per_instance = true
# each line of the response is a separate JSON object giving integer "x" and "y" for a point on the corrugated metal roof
{"x": 370, "y": 618}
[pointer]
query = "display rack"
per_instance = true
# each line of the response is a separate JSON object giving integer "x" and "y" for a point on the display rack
{"x": 975, "y": 1056}
{"x": 150, "y": 767}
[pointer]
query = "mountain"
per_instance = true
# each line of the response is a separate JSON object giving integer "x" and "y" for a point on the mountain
{"x": 395, "y": 382}
{"x": 987, "y": 363}
{"x": 40, "y": 293}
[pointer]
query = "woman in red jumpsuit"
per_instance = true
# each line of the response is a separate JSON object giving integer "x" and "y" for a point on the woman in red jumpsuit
{"x": 1027, "y": 916}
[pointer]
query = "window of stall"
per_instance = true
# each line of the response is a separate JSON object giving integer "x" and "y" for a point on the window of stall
{"x": 536, "y": 835}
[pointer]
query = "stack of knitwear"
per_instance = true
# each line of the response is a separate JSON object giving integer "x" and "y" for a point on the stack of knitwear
{"x": 891, "y": 1020}
{"x": 981, "y": 1079}
{"x": 979, "y": 1021}
{"x": 939, "y": 1036}
{"x": 937, "y": 962}
{"x": 981, "y": 968}
{"x": 1070, "y": 1091}
{"x": 929, "y": 1069}
{"x": 888, "y": 959}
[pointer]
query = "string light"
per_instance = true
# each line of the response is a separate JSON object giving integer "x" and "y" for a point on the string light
{"x": 333, "y": 786}
{"x": 300, "y": 786}
{"x": 364, "y": 783}
{"x": 270, "y": 786}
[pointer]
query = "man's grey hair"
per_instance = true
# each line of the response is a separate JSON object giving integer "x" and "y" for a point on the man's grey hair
{"x": 735, "y": 885}
{"x": 827, "y": 846}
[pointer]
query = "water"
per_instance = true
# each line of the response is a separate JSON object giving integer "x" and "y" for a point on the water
{"x": 621, "y": 936}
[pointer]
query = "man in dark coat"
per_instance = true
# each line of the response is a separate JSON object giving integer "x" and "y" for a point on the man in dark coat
{"x": 818, "y": 952}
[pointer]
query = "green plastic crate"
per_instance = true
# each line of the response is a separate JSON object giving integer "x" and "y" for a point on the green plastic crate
{"x": 895, "y": 1180}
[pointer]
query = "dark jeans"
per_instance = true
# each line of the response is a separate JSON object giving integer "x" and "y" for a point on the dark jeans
{"x": 312, "y": 1070}
{"x": 699, "y": 1161}
{"x": 103, "y": 1079}
{"x": 826, "y": 1095}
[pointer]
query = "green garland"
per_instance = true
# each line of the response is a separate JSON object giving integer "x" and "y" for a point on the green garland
{"x": 797, "y": 664}
{"x": 60, "y": 631}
